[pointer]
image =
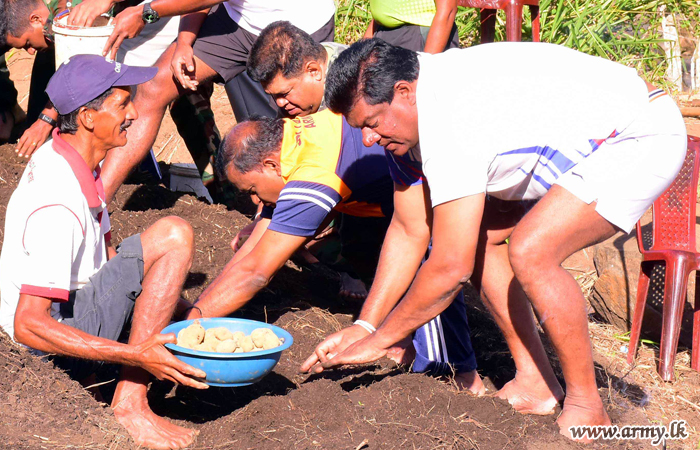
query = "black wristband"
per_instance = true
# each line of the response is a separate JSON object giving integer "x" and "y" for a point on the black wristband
{"x": 47, "y": 119}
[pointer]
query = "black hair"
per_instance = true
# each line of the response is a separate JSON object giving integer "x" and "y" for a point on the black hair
{"x": 369, "y": 68}
{"x": 3, "y": 27}
{"x": 282, "y": 48}
{"x": 248, "y": 144}
{"x": 68, "y": 123}
{"x": 14, "y": 16}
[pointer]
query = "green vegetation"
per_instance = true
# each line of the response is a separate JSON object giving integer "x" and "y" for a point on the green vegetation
{"x": 628, "y": 31}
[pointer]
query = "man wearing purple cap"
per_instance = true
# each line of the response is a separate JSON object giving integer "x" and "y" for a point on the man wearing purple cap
{"x": 64, "y": 289}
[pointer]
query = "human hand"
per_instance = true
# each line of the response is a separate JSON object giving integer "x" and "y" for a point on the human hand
{"x": 85, "y": 13}
{"x": 32, "y": 138}
{"x": 243, "y": 236}
{"x": 363, "y": 351}
{"x": 151, "y": 355}
{"x": 127, "y": 25}
{"x": 183, "y": 67}
{"x": 331, "y": 346}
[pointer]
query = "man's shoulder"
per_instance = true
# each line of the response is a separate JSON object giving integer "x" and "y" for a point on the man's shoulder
{"x": 333, "y": 49}
{"x": 47, "y": 180}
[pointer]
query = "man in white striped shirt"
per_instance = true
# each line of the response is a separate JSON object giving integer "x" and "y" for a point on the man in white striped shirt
{"x": 516, "y": 121}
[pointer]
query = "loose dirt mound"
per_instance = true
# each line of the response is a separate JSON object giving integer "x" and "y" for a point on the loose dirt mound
{"x": 377, "y": 406}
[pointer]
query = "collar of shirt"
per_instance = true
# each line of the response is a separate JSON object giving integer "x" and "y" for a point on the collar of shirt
{"x": 90, "y": 182}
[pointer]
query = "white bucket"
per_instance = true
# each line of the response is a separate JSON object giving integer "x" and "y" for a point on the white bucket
{"x": 71, "y": 40}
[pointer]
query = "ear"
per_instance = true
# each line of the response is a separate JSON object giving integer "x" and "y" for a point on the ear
{"x": 86, "y": 118}
{"x": 37, "y": 19}
{"x": 272, "y": 162}
{"x": 314, "y": 69}
{"x": 405, "y": 90}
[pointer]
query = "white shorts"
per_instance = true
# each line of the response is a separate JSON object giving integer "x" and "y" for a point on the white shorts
{"x": 630, "y": 170}
{"x": 145, "y": 49}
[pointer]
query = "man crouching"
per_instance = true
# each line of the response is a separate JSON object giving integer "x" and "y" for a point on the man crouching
{"x": 64, "y": 288}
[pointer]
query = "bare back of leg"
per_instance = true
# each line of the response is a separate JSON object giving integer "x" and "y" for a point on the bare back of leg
{"x": 151, "y": 100}
{"x": 558, "y": 226}
{"x": 535, "y": 389}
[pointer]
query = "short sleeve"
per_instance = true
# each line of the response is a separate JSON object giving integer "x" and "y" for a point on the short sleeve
{"x": 302, "y": 207}
{"x": 50, "y": 239}
{"x": 404, "y": 171}
{"x": 453, "y": 149}
{"x": 266, "y": 212}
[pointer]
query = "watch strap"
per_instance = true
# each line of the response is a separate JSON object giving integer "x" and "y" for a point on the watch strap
{"x": 47, "y": 119}
{"x": 149, "y": 15}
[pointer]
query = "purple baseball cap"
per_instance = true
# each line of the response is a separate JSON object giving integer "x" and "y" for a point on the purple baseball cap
{"x": 83, "y": 78}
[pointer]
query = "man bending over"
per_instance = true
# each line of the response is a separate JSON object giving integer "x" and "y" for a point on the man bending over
{"x": 65, "y": 290}
{"x": 588, "y": 137}
{"x": 304, "y": 170}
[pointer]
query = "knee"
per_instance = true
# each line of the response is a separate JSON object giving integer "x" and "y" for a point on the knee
{"x": 525, "y": 256}
{"x": 176, "y": 235}
{"x": 153, "y": 93}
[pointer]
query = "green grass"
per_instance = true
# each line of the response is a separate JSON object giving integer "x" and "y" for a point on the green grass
{"x": 627, "y": 31}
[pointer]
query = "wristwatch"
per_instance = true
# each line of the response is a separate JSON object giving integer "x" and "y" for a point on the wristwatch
{"x": 149, "y": 15}
{"x": 47, "y": 119}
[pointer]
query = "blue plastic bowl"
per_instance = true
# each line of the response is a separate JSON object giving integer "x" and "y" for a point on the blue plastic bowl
{"x": 230, "y": 369}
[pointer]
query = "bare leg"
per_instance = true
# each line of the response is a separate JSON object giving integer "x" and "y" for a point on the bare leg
{"x": 168, "y": 248}
{"x": 151, "y": 99}
{"x": 559, "y": 225}
{"x": 535, "y": 389}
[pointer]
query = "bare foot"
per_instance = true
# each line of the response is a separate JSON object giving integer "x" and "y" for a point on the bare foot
{"x": 351, "y": 287}
{"x": 148, "y": 429}
{"x": 470, "y": 381}
{"x": 582, "y": 411}
{"x": 403, "y": 352}
{"x": 531, "y": 396}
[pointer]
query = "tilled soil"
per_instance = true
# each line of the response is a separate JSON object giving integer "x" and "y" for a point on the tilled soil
{"x": 378, "y": 406}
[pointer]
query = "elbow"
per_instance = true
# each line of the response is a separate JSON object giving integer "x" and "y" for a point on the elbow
{"x": 460, "y": 277}
{"x": 455, "y": 276}
{"x": 23, "y": 330}
{"x": 259, "y": 279}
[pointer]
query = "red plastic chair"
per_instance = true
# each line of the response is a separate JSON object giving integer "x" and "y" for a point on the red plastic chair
{"x": 514, "y": 17}
{"x": 673, "y": 242}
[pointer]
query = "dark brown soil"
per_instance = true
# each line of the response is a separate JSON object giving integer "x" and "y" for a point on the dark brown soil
{"x": 372, "y": 407}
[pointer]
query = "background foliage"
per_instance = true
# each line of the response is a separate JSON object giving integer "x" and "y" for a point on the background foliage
{"x": 627, "y": 31}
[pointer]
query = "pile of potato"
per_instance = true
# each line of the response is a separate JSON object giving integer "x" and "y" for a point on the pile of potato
{"x": 222, "y": 340}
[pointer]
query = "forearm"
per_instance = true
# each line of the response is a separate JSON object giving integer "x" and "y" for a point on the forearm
{"x": 237, "y": 284}
{"x": 190, "y": 25}
{"x": 401, "y": 256}
{"x": 252, "y": 241}
{"x": 50, "y": 111}
{"x": 440, "y": 29}
{"x": 167, "y": 8}
{"x": 49, "y": 336}
{"x": 433, "y": 290}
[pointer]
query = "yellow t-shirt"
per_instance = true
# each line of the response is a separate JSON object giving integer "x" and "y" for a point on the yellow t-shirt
{"x": 394, "y": 13}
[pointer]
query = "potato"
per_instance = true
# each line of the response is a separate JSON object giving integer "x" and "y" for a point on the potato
{"x": 238, "y": 350}
{"x": 246, "y": 344}
{"x": 238, "y": 336}
{"x": 210, "y": 334}
{"x": 271, "y": 341}
{"x": 258, "y": 336}
{"x": 222, "y": 333}
{"x": 191, "y": 336}
{"x": 208, "y": 346}
{"x": 227, "y": 346}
